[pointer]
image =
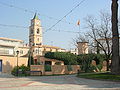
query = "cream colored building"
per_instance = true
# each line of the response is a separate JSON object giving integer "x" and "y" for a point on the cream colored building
{"x": 8, "y": 55}
{"x": 36, "y": 39}
{"x": 82, "y": 47}
{"x": 8, "y": 47}
{"x": 74, "y": 51}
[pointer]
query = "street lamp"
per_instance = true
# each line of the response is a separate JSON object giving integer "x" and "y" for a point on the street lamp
{"x": 17, "y": 61}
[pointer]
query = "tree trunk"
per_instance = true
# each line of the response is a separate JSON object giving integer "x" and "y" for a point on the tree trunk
{"x": 115, "y": 69}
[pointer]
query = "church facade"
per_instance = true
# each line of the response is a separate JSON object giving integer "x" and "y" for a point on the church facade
{"x": 36, "y": 39}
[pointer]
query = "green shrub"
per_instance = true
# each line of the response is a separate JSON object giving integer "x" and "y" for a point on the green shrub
{"x": 85, "y": 61}
{"x": 47, "y": 68}
{"x": 14, "y": 71}
{"x": 38, "y": 63}
{"x": 24, "y": 68}
{"x": 21, "y": 70}
{"x": 68, "y": 58}
{"x": 86, "y": 66}
{"x": 100, "y": 57}
{"x": 99, "y": 67}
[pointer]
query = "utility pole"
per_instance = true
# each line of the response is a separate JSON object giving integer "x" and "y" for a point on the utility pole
{"x": 115, "y": 69}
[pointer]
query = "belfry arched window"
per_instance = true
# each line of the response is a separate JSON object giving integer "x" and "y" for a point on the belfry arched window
{"x": 31, "y": 31}
{"x": 38, "y": 31}
{"x": 38, "y": 39}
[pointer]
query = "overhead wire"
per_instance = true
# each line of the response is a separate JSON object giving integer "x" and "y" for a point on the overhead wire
{"x": 30, "y": 11}
{"x": 64, "y": 31}
{"x": 26, "y": 10}
{"x": 16, "y": 26}
{"x": 4, "y": 25}
{"x": 65, "y": 15}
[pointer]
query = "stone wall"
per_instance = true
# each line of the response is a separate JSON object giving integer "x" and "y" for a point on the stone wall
{"x": 37, "y": 68}
{"x": 104, "y": 65}
{"x": 58, "y": 69}
{"x": 61, "y": 69}
{"x": 55, "y": 69}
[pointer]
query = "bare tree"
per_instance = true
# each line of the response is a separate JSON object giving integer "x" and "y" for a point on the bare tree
{"x": 79, "y": 38}
{"x": 100, "y": 33}
{"x": 115, "y": 69}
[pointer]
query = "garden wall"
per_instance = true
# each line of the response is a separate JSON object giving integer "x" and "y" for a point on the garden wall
{"x": 55, "y": 69}
{"x": 104, "y": 64}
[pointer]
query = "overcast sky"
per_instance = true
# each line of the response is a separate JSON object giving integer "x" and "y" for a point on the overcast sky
{"x": 20, "y": 12}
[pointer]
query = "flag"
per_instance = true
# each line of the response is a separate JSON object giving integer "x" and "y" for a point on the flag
{"x": 78, "y": 23}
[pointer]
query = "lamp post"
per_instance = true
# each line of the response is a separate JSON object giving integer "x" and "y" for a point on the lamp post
{"x": 17, "y": 61}
{"x": 29, "y": 62}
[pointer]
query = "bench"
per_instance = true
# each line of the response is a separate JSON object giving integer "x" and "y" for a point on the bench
{"x": 36, "y": 72}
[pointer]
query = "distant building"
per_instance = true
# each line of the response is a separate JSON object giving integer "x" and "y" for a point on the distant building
{"x": 74, "y": 51}
{"x": 82, "y": 47}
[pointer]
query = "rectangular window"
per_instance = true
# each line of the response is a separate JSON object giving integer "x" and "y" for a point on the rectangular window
{"x": 36, "y": 51}
{"x": 21, "y": 51}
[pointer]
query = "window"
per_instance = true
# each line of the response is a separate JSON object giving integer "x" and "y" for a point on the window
{"x": 36, "y": 51}
{"x": 38, "y": 39}
{"x": 30, "y": 40}
{"x": 21, "y": 51}
{"x": 38, "y": 31}
{"x": 33, "y": 44}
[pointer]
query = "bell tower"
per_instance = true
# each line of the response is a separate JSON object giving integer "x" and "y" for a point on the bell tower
{"x": 35, "y": 32}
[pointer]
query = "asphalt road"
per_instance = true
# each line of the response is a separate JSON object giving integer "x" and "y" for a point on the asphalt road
{"x": 64, "y": 82}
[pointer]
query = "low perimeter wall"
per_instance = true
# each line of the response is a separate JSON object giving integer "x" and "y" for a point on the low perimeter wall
{"x": 55, "y": 69}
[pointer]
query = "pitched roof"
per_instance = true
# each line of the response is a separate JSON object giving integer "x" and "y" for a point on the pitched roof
{"x": 48, "y": 46}
{"x": 3, "y": 38}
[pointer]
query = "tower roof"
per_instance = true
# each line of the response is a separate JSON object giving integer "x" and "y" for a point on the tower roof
{"x": 35, "y": 16}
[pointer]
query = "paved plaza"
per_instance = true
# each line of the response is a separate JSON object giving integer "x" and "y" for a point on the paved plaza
{"x": 64, "y": 82}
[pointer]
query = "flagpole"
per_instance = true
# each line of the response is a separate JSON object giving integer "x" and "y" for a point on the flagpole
{"x": 79, "y": 27}
{"x": 78, "y": 23}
